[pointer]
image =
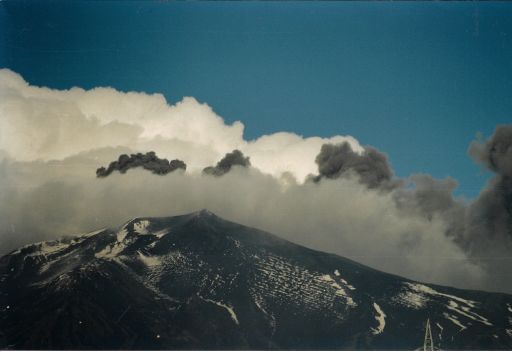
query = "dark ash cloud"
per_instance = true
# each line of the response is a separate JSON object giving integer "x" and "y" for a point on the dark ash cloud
{"x": 418, "y": 195}
{"x": 496, "y": 152}
{"x": 339, "y": 160}
{"x": 427, "y": 195}
{"x": 487, "y": 236}
{"x": 148, "y": 161}
{"x": 490, "y": 216}
{"x": 482, "y": 228}
{"x": 236, "y": 157}
{"x": 430, "y": 198}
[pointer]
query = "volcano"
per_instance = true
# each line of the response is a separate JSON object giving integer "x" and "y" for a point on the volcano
{"x": 197, "y": 281}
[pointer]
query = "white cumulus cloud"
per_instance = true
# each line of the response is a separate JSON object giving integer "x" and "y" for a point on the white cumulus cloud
{"x": 41, "y": 123}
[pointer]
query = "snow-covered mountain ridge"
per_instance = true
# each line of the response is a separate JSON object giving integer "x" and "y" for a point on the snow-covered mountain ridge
{"x": 197, "y": 281}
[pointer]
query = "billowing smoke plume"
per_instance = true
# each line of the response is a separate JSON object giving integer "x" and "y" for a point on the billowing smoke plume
{"x": 495, "y": 153}
{"x": 424, "y": 196}
{"x": 371, "y": 166}
{"x": 483, "y": 229}
{"x": 148, "y": 161}
{"x": 489, "y": 225}
{"x": 50, "y": 140}
{"x": 419, "y": 195}
{"x": 339, "y": 216}
{"x": 491, "y": 214}
{"x": 235, "y": 158}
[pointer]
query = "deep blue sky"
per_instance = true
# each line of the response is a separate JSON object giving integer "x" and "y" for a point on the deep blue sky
{"x": 416, "y": 80}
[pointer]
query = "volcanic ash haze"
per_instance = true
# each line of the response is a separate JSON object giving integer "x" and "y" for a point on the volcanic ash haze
{"x": 331, "y": 194}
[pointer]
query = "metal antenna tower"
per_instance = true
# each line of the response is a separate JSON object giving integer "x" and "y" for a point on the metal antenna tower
{"x": 428, "y": 344}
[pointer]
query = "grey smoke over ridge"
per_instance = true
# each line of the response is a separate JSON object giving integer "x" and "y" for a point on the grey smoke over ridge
{"x": 52, "y": 140}
{"x": 496, "y": 152}
{"x": 418, "y": 195}
{"x": 338, "y": 216}
{"x": 148, "y": 161}
{"x": 491, "y": 213}
{"x": 416, "y": 229}
{"x": 482, "y": 229}
{"x": 235, "y": 158}
{"x": 371, "y": 166}
{"x": 489, "y": 224}
{"x": 430, "y": 198}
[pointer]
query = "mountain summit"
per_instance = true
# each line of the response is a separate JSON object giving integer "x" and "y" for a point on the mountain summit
{"x": 197, "y": 281}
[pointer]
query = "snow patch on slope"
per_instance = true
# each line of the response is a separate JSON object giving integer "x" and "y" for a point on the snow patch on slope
{"x": 411, "y": 299}
{"x": 428, "y": 290}
{"x": 149, "y": 261}
{"x": 225, "y": 306}
{"x": 415, "y": 295}
{"x": 452, "y": 305}
{"x": 440, "y": 335}
{"x": 339, "y": 290}
{"x": 141, "y": 227}
{"x": 121, "y": 234}
{"x": 381, "y": 318}
{"x": 338, "y": 275}
{"x": 110, "y": 251}
{"x": 454, "y": 320}
{"x": 44, "y": 248}
{"x": 52, "y": 247}
{"x": 286, "y": 283}
{"x": 162, "y": 233}
{"x": 272, "y": 320}
{"x": 90, "y": 234}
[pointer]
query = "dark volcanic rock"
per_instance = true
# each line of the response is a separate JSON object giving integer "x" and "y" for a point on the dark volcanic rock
{"x": 199, "y": 282}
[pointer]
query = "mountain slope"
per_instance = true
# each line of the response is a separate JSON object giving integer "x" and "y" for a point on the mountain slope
{"x": 199, "y": 282}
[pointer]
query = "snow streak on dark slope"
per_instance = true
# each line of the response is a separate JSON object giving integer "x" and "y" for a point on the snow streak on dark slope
{"x": 199, "y": 282}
